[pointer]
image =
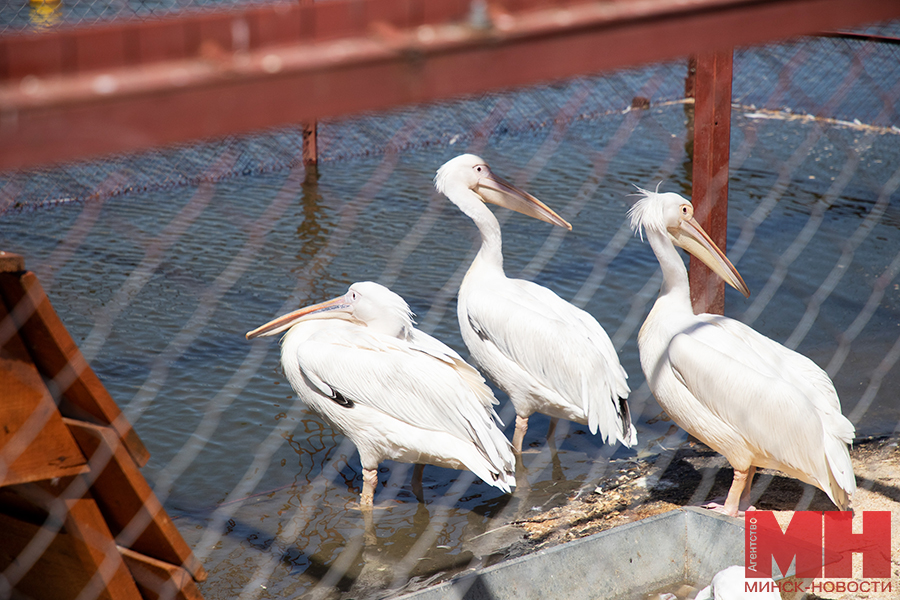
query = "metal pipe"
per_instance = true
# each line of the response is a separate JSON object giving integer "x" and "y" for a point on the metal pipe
{"x": 712, "y": 141}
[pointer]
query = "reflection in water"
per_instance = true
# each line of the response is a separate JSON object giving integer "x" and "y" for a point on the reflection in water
{"x": 314, "y": 442}
{"x": 45, "y": 13}
{"x": 309, "y": 231}
{"x": 392, "y": 559}
{"x": 382, "y": 548}
{"x": 341, "y": 551}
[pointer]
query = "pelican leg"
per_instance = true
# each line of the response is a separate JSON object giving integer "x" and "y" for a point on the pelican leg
{"x": 369, "y": 537}
{"x": 418, "y": 471}
{"x": 742, "y": 480}
{"x": 745, "y": 497}
{"x": 732, "y": 502}
{"x": 370, "y": 480}
{"x": 519, "y": 435}
{"x": 551, "y": 431}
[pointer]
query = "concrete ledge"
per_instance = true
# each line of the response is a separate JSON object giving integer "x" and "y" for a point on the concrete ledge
{"x": 630, "y": 561}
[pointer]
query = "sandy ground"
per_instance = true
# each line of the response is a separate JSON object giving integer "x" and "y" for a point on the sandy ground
{"x": 693, "y": 474}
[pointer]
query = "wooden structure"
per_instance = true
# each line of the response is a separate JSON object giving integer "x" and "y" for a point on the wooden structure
{"x": 77, "y": 516}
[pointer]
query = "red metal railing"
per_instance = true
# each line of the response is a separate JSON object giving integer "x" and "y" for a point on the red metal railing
{"x": 126, "y": 86}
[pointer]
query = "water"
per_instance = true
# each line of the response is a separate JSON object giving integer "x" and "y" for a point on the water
{"x": 158, "y": 288}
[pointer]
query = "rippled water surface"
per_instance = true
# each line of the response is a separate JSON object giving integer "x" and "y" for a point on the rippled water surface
{"x": 162, "y": 314}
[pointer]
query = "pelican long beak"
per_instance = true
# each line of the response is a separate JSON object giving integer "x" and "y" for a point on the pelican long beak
{"x": 335, "y": 308}
{"x": 690, "y": 236}
{"x": 498, "y": 191}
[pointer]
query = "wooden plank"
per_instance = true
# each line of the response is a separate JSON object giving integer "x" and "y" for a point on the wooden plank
{"x": 132, "y": 510}
{"x": 81, "y": 559}
{"x": 94, "y": 542}
{"x": 712, "y": 141}
{"x": 58, "y": 358}
{"x": 11, "y": 262}
{"x": 61, "y": 114}
{"x": 54, "y": 574}
{"x": 34, "y": 443}
{"x": 157, "y": 579}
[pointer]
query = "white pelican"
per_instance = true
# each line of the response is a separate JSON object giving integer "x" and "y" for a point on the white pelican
{"x": 743, "y": 394}
{"x": 397, "y": 393}
{"x": 731, "y": 584}
{"x": 547, "y": 355}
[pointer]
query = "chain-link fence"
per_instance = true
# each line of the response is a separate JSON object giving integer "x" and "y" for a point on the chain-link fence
{"x": 43, "y": 14}
{"x": 159, "y": 263}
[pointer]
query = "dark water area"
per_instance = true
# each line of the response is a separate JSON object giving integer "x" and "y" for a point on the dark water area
{"x": 158, "y": 289}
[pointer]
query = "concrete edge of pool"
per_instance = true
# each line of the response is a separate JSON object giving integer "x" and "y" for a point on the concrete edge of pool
{"x": 688, "y": 544}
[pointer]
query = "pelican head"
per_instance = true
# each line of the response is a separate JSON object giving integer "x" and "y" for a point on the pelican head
{"x": 470, "y": 172}
{"x": 670, "y": 215}
{"x": 365, "y": 303}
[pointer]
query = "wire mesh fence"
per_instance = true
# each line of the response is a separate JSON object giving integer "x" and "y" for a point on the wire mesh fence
{"x": 159, "y": 263}
{"x": 44, "y": 14}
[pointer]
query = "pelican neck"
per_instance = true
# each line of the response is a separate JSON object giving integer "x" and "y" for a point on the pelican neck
{"x": 675, "y": 283}
{"x": 471, "y": 205}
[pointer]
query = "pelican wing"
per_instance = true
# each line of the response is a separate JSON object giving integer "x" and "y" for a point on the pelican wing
{"x": 782, "y": 362}
{"x": 561, "y": 346}
{"x": 778, "y": 401}
{"x": 423, "y": 342}
{"x": 416, "y": 385}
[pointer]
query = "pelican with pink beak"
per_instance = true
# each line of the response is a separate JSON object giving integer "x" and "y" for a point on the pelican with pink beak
{"x": 741, "y": 393}
{"x": 397, "y": 393}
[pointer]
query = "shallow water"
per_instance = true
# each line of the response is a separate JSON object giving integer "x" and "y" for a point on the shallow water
{"x": 159, "y": 288}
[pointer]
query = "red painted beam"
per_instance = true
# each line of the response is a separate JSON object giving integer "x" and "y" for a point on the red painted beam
{"x": 712, "y": 141}
{"x": 128, "y": 86}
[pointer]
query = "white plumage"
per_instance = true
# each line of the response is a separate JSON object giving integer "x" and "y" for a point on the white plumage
{"x": 730, "y": 584}
{"x": 546, "y": 354}
{"x": 397, "y": 393}
{"x": 743, "y": 394}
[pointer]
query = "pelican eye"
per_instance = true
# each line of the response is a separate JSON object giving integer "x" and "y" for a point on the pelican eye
{"x": 687, "y": 210}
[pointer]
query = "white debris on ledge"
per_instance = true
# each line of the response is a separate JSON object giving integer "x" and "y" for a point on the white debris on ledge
{"x": 787, "y": 115}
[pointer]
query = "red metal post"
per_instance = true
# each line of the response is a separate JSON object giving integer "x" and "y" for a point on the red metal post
{"x": 712, "y": 139}
{"x": 310, "y": 144}
{"x": 310, "y": 130}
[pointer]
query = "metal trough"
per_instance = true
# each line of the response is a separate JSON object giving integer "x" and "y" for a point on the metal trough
{"x": 630, "y": 561}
